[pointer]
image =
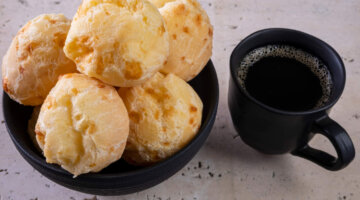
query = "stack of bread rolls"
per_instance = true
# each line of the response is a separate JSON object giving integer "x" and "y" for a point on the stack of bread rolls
{"x": 111, "y": 83}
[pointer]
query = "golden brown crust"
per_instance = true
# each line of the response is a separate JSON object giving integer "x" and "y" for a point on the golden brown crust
{"x": 35, "y": 59}
{"x": 190, "y": 34}
{"x": 83, "y": 124}
{"x": 165, "y": 114}
{"x": 122, "y": 43}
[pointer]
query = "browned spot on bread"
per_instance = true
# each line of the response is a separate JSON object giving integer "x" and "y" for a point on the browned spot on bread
{"x": 74, "y": 91}
{"x": 133, "y": 6}
{"x": 92, "y": 165}
{"x": 169, "y": 111}
{"x": 210, "y": 32}
{"x": 59, "y": 39}
{"x": 134, "y": 116}
{"x": 198, "y": 19}
{"x": 21, "y": 70}
{"x": 157, "y": 115}
{"x": 104, "y": 97}
{"x": 165, "y": 62}
{"x": 90, "y": 128}
{"x": 31, "y": 47}
{"x": 107, "y": 59}
{"x": 5, "y": 83}
{"x": 84, "y": 39}
{"x": 150, "y": 91}
{"x": 100, "y": 85}
{"x": 23, "y": 29}
{"x": 120, "y": 3}
{"x": 17, "y": 45}
{"x": 164, "y": 128}
{"x": 174, "y": 36}
{"x": 100, "y": 66}
{"x": 158, "y": 95}
{"x": 193, "y": 108}
{"x": 77, "y": 117}
{"x": 145, "y": 19}
{"x": 38, "y": 133}
{"x": 191, "y": 121}
{"x": 81, "y": 67}
{"x": 166, "y": 96}
{"x": 186, "y": 29}
{"x": 183, "y": 58}
{"x": 166, "y": 143}
{"x": 49, "y": 102}
{"x": 205, "y": 40}
{"x": 194, "y": 3}
{"x": 48, "y": 18}
{"x": 132, "y": 70}
{"x": 107, "y": 13}
{"x": 80, "y": 47}
{"x": 180, "y": 9}
{"x": 161, "y": 30}
{"x": 111, "y": 149}
{"x": 40, "y": 136}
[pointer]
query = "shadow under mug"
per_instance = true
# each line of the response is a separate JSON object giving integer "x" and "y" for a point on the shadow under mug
{"x": 273, "y": 131}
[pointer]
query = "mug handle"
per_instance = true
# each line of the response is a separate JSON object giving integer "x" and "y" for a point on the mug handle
{"x": 339, "y": 139}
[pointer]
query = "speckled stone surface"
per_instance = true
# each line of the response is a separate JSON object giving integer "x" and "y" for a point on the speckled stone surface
{"x": 229, "y": 169}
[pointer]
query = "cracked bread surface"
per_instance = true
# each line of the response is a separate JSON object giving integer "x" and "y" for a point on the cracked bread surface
{"x": 190, "y": 36}
{"x": 165, "y": 115}
{"x": 83, "y": 125}
{"x": 35, "y": 59}
{"x": 122, "y": 43}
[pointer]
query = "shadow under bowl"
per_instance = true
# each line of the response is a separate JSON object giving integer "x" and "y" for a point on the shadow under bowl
{"x": 119, "y": 177}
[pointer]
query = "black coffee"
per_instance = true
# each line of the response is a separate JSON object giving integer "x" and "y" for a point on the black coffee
{"x": 285, "y": 78}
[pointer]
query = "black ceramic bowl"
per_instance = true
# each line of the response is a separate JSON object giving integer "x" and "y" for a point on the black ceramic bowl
{"x": 119, "y": 177}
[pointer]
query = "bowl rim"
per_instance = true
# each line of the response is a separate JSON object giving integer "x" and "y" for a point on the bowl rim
{"x": 54, "y": 168}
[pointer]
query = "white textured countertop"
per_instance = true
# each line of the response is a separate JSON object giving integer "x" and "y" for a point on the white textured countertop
{"x": 230, "y": 169}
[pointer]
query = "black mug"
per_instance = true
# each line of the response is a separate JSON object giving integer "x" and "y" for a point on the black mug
{"x": 273, "y": 131}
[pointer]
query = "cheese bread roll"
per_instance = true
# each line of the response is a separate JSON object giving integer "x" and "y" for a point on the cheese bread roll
{"x": 120, "y": 42}
{"x": 35, "y": 59}
{"x": 190, "y": 34}
{"x": 83, "y": 124}
{"x": 165, "y": 114}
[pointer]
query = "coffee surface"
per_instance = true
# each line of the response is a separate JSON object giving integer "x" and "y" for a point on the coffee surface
{"x": 285, "y": 78}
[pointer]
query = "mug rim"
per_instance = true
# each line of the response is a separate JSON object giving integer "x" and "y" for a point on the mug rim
{"x": 233, "y": 68}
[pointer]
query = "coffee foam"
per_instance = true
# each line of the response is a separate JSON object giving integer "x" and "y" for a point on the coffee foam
{"x": 285, "y": 51}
